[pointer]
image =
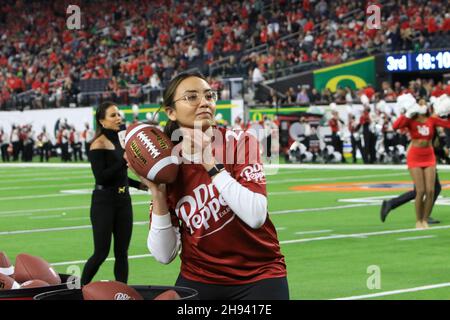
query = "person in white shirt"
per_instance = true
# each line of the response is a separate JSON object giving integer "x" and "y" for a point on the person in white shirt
{"x": 4, "y": 143}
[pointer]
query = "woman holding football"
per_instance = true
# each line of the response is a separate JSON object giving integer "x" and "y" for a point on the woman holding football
{"x": 111, "y": 211}
{"x": 216, "y": 210}
{"x": 421, "y": 159}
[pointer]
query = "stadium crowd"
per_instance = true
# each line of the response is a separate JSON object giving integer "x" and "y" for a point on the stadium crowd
{"x": 365, "y": 128}
{"x": 131, "y": 45}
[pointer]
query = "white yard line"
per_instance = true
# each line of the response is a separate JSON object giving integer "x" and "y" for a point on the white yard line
{"x": 55, "y": 216}
{"x": 291, "y": 193}
{"x": 313, "y": 231}
{"x": 359, "y": 235}
{"x": 75, "y": 219}
{"x": 60, "y": 178}
{"x": 345, "y": 166}
{"x": 16, "y": 215}
{"x": 415, "y": 238}
{"x": 58, "y": 229}
{"x": 40, "y": 174}
{"x": 45, "y": 165}
{"x": 58, "y": 209}
{"x": 41, "y": 196}
{"x": 389, "y": 293}
{"x": 323, "y": 209}
{"x": 339, "y": 178}
{"x": 270, "y": 182}
{"x": 41, "y": 186}
{"x": 140, "y": 256}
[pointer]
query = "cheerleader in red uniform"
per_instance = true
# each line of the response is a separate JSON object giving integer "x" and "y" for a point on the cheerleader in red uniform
{"x": 420, "y": 159}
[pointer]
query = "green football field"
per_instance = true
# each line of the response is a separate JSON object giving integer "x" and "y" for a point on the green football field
{"x": 327, "y": 222}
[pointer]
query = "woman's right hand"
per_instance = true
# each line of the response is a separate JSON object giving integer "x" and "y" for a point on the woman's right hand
{"x": 152, "y": 186}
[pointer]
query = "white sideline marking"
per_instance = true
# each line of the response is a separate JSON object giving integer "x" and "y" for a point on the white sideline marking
{"x": 338, "y": 178}
{"x": 60, "y": 209}
{"x": 416, "y": 238}
{"x": 46, "y": 217}
{"x": 38, "y": 196}
{"x": 58, "y": 229}
{"x": 359, "y": 235}
{"x": 441, "y": 200}
{"x": 345, "y": 166}
{"x": 45, "y": 165}
{"x": 323, "y": 209}
{"x": 291, "y": 192}
{"x": 47, "y": 186}
{"x": 140, "y": 256}
{"x": 35, "y": 174}
{"x": 388, "y": 293}
{"x": 46, "y": 179}
{"x": 132, "y": 191}
{"x": 314, "y": 231}
{"x": 16, "y": 215}
{"x": 75, "y": 219}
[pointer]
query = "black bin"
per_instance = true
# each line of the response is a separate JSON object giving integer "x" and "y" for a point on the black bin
{"x": 28, "y": 294}
{"x": 147, "y": 292}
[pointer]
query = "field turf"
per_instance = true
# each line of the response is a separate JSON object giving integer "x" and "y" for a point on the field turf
{"x": 330, "y": 231}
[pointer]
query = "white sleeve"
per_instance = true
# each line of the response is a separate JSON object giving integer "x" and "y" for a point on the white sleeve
{"x": 163, "y": 239}
{"x": 250, "y": 207}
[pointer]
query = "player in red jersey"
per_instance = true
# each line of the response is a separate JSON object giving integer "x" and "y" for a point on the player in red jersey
{"x": 421, "y": 159}
{"x": 216, "y": 211}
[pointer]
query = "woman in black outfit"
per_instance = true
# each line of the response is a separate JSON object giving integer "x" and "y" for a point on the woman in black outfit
{"x": 111, "y": 211}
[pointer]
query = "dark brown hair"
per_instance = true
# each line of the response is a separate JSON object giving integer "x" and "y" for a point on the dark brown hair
{"x": 100, "y": 114}
{"x": 169, "y": 97}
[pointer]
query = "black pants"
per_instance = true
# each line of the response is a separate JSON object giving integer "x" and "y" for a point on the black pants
{"x": 356, "y": 144}
{"x": 411, "y": 195}
{"x": 338, "y": 145}
{"x": 369, "y": 146}
{"x": 76, "y": 150}
{"x": 4, "y": 151}
{"x": 267, "y": 289}
{"x": 65, "y": 155}
{"x": 44, "y": 151}
{"x": 87, "y": 146}
{"x": 111, "y": 214}
{"x": 17, "y": 148}
{"x": 268, "y": 146}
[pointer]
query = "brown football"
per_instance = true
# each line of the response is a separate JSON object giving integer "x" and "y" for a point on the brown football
{"x": 109, "y": 290}
{"x": 7, "y": 283}
{"x": 33, "y": 284}
{"x": 149, "y": 153}
{"x": 29, "y": 267}
{"x": 5, "y": 265}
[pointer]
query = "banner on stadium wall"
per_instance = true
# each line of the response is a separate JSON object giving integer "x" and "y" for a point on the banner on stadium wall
{"x": 258, "y": 114}
{"x": 226, "y": 110}
{"x": 47, "y": 118}
{"x": 355, "y": 74}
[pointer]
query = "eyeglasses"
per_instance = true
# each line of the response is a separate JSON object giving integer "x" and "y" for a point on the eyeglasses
{"x": 194, "y": 98}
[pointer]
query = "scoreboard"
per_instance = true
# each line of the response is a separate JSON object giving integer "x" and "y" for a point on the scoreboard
{"x": 422, "y": 61}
